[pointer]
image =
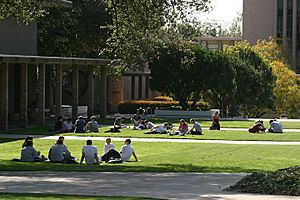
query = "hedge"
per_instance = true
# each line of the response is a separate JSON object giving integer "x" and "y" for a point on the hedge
{"x": 130, "y": 107}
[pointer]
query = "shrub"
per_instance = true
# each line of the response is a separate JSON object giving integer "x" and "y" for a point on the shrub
{"x": 130, "y": 107}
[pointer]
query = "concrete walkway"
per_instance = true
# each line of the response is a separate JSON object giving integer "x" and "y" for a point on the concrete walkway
{"x": 158, "y": 185}
{"x": 44, "y": 137}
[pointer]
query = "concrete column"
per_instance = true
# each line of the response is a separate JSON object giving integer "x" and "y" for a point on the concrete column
{"x": 284, "y": 32}
{"x": 140, "y": 87}
{"x": 24, "y": 96}
{"x": 133, "y": 88}
{"x": 103, "y": 93}
{"x": 75, "y": 86}
{"x": 294, "y": 37}
{"x": 42, "y": 85}
{"x": 91, "y": 96}
{"x": 58, "y": 89}
{"x": 147, "y": 87}
{"x": 4, "y": 96}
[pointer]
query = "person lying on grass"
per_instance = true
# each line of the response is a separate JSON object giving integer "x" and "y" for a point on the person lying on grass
{"x": 89, "y": 154}
{"x": 196, "y": 128}
{"x": 182, "y": 129}
{"x": 29, "y": 154}
{"x": 159, "y": 129}
{"x": 149, "y": 125}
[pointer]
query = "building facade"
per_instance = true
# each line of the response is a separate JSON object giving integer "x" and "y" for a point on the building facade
{"x": 279, "y": 19}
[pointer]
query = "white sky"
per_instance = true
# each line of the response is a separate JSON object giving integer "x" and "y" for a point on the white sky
{"x": 224, "y": 11}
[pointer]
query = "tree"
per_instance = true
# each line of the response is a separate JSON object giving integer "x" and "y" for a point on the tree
{"x": 139, "y": 27}
{"x": 287, "y": 91}
{"x": 255, "y": 81}
{"x": 79, "y": 31}
{"x": 235, "y": 28}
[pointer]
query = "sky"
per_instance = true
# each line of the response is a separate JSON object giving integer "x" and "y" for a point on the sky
{"x": 224, "y": 11}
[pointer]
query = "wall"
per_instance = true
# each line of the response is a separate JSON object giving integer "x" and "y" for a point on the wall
{"x": 18, "y": 38}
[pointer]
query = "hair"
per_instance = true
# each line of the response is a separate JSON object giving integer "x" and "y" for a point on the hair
{"x": 61, "y": 137}
{"x": 29, "y": 143}
{"x": 272, "y": 120}
{"x": 60, "y": 117}
{"x": 192, "y": 120}
{"x": 59, "y": 142}
{"x": 122, "y": 117}
{"x": 93, "y": 117}
{"x": 146, "y": 121}
{"x": 108, "y": 139}
{"x": 89, "y": 142}
{"x": 80, "y": 117}
{"x": 28, "y": 138}
{"x": 182, "y": 120}
{"x": 128, "y": 141}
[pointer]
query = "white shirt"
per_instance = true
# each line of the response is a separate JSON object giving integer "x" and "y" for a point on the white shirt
{"x": 150, "y": 125}
{"x": 276, "y": 127}
{"x": 89, "y": 152}
{"x": 108, "y": 147}
{"x": 160, "y": 128}
{"x": 126, "y": 152}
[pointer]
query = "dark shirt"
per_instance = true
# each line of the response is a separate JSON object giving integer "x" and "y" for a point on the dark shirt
{"x": 58, "y": 125}
{"x": 80, "y": 126}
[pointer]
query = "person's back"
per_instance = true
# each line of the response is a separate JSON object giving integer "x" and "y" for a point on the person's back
{"x": 197, "y": 127}
{"x": 57, "y": 152}
{"x": 90, "y": 153}
{"x": 126, "y": 152}
{"x": 28, "y": 154}
{"x": 93, "y": 126}
{"x": 80, "y": 125}
{"x": 68, "y": 125}
{"x": 255, "y": 128}
{"x": 276, "y": 127}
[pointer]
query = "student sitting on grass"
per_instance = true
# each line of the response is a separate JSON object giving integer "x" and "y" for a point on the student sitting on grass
{"x": 142, "y": 125}
{"x": 117, "y": 125}
{"x": 80, "y": 125}
{"x": 109, "y": 152}
{"x": 215, "y": 122}
{"x": 275, "y": 126}
{"x": 135, "y": 120}
{"x": 68, "y": 125}
{"x": 27, "y": 139}
{"x": 59, "y": 153}
{"x": 149, "y": 125}
{"x": 92, "y": 126}
{"x": 182, "y": 129}
{"x": 89, "y": 153}
{"x": 59, "y": 125}
{"x": 127, "y": 150}
{"x": 196, "y": 128}
{"x": 258, "y": 127}
{"x": 159, "y": 129}
{"x": 29, "y": 154}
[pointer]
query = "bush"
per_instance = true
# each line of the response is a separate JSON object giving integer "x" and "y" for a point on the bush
{"x": 130, "y": 107}
{"x": 281, "y": 182}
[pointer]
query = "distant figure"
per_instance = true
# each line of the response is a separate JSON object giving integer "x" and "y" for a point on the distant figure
{"x": 27, "y": 139}
{"x": 59, "y": 153}
{"x": 182, "y": 129}
{"x": 258, "y": 127}
{"x": 159, "y": 129}
{"x": 135, "y": 121}
{"x": 109, "y": 152}
{"x": 127, "y": 150}
{"x": 196, "y": 128}
{"x": 29, "y": 154}
{"x": 149, "y": 125}
{"x": 68, "y": 125}
{"x": 275, "y": 126}
{"x": 215, "y": 122}
{"x": 59, "y": 125}
{"x": 118, "y": 123}
{"x": 89, "y": 153}
{"x": 80, "y": 125}
{"x": 92, "y": 126}
{"x": 142, "y": 125}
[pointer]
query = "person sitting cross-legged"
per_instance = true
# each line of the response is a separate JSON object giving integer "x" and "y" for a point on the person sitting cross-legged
{"x": 59, "y": 153}
{"x": 109, "y": 152}
{"x": 29, "y": 154}
{"x": 89, "y": 153}
{"x": 80, "y": 125}
{"x": 275, "y": 126}
{"x": 196, "y": 128}
{"x": 92, "y": 126}
{"x": 182, "y": 129}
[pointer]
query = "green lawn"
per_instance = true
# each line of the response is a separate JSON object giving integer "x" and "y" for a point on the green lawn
{"x": 165, "y": 157}
{"x": 62, "y": 197}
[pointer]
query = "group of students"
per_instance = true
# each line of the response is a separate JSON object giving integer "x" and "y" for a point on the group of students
{"x": 80, "y": 125}
{"x": 59, "y": 153}
{"x": 258, "y": 127}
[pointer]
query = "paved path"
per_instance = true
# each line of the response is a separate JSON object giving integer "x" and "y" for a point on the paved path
{"x": 158, "y": 185}
{"x": 44, "y": 137}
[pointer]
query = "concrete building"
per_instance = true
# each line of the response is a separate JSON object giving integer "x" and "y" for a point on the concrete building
{"x": 218, "y": 43}
{"x": 279, "y": 19}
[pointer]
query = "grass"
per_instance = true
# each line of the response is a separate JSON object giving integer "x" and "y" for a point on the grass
{"x": 11, "y": 196}
{"x": 166, "y": 157}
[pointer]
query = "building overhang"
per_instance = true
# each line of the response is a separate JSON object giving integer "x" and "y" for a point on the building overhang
{"x": 64, "y": 3}
{"x": 56, "y": 60}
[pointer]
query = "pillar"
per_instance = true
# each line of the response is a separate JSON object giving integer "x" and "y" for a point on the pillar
{"x": 133, "y": 88}
{"x": 75, "y": 85}
{"x": 140, "y": 85}
{"x": 41, "y": 101}
{"x": 24, "y": 96}
{"x": 103, "y": 93}
{"x": 4, "y": 96}
{"x": 58, "y": 89}
{"x": 147, "y": 87}
{"x": 91, "y": 96}
{"x": 284, "y": 32}
{"x": 294, "y": 35}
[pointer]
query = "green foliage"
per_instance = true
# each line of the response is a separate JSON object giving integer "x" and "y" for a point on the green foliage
{"x": 281, "y": 182}
{"x": 79, "y": 31}
{"x": 22, "y": 10}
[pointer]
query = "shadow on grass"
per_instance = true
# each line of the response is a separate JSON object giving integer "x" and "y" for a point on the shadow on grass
{"x": 6, "y": 165}
{"x": 5, "y": 140}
